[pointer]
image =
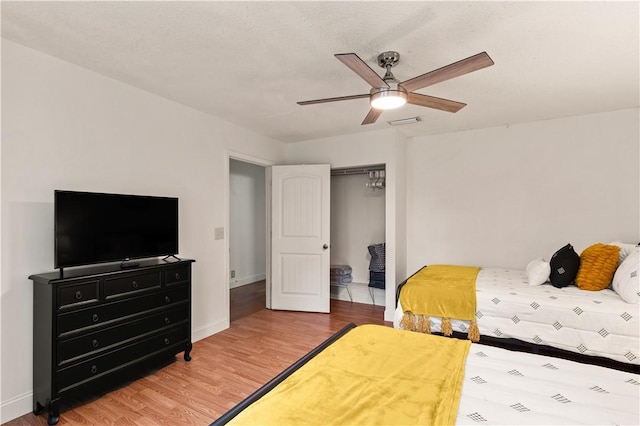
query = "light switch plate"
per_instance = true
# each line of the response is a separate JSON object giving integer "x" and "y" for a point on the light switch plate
{"x": 219, "y": 233}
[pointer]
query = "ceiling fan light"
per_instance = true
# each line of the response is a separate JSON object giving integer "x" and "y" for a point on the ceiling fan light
{"x": 388, "y": 98}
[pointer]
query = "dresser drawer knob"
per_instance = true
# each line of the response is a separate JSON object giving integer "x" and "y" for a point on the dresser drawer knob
{"x": 177, "y": 276}
{"x": 166, "y": 341}
{"x": 134, "y": 284}
{"x": 95, "y": 343}
{"x": 95, "y": 318}
{"x": 94, "y": 369}
{"x": 167, "y": 320}
{"x": 78, "y": 295}
{"x": 167, "y": 299}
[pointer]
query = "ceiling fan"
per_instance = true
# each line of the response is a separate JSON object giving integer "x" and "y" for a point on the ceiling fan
{"x": 388, "y": 93}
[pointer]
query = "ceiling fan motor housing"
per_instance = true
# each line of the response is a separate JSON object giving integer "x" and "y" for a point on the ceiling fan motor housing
{"x": 390, "y": 97}
{"x": 393, "y": 96}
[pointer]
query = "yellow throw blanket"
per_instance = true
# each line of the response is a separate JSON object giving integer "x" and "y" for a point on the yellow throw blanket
{"x": 373, "y": 375}
{"x": 444, "y": 291}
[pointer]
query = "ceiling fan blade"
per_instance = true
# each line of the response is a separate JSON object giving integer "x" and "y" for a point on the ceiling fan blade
{"x": 433, "y": 102}
{"x": 341, "y": 98}
{"x": 372, "y": 116}
{"x": 358, "y": 66}
{"x": 465, "y": 66}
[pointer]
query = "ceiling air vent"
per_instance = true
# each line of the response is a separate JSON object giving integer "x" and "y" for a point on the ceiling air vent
{"x": 404, "y": 121}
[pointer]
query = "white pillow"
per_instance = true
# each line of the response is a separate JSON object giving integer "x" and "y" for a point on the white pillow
{"x": 626, "y": 281}
{"x": 538, "y": 271}
{"x": 625, "y": 250}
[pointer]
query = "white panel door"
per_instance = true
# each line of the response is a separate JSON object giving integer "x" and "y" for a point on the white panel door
{"x": 300, "y": 238}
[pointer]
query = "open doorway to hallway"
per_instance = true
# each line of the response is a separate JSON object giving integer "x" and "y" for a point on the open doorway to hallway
{"x": 247, "y": 238}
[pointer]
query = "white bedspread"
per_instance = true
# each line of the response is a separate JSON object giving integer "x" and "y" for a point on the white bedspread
{"x": 596, "y": 323}
{"x": 515, "y": 388}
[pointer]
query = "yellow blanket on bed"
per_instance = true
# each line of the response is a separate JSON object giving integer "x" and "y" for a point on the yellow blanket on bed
{"x": 373, "y": 375}
{"x": 444, "y": 291}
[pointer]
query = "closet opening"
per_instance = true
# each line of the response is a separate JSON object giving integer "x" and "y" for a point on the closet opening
{"x": 358, "y": 234}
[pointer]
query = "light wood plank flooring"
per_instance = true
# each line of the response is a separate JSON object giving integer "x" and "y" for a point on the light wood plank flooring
{"x": 224, "y": 369}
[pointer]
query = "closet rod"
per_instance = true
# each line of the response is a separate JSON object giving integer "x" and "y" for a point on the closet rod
{"x": 363, "y": 170}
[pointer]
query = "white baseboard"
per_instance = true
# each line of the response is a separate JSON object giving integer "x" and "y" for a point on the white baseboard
{"x": 389, "y": 314}
{"x": 360, "y": 293}
{"x": 209, "y": 330}
{"x": 16, "y": 407}
{"x": 237, "y": 282}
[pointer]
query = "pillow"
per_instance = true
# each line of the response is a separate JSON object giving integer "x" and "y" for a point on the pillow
{"x": 538, "y": 271}
{"x": 625, "y": 250}
{"x": 625, "y": 280}
{"x": 598, "y": 263}
{"x": 377, "y": 262}
{"x": 564, "y": 266}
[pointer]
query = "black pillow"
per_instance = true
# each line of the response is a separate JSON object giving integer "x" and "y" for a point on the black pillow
{"x": 377, "y": 262}
{"x": 564, "y": 266}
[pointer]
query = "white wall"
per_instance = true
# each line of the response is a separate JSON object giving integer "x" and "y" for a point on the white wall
{"x": 64, "y": 127}
{"x": 247, "y": 223}
{"x": 378, "y": 147}
{"x": 398, "y": 213}
{"x": 357, "y": 220}
{"x": 2, "y": 400}
{"x": 505, "y": 195}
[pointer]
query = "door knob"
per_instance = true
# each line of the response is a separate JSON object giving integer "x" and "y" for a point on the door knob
{"x": 325, "y": 246}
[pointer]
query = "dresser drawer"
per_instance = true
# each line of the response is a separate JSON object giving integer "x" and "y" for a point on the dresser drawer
{"x": 76, "y": 294}
{"x": 131, "y": 283}
{"x": 103, "y": 339}
{"x": 112, "y": 360}
{"x": 78, "y": 321}
{"x": 176, "y": 275}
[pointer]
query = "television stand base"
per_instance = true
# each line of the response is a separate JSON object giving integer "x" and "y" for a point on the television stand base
{"x": 170, "y": 256}
{"x": 128, "y": 265}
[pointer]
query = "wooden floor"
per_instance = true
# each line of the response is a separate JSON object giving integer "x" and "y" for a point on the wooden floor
{"x": 247, "y": 299}
{"x": 224, "y": 369}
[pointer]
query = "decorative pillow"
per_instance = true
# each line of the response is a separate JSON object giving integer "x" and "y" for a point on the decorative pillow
{"x": 625, "y": 250}
{"x": 564, "y": 266}
{"x": 625, "y": 281}
{"x": 598, "y": 263}
{"x": 538, "y": 271}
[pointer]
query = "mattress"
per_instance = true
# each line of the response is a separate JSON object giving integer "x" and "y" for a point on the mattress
{"x": 498, "y": 387}
{"x": 585, "y": 322}
{"x": 502, "y": 387}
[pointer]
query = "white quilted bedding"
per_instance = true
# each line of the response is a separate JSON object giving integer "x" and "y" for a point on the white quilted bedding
{"x": 501, "y": 387}
{"x": 592, "y": 323}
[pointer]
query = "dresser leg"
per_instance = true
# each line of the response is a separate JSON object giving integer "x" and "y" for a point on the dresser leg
{"x": 54, "y": 412}
{"x": 187, "y": 352}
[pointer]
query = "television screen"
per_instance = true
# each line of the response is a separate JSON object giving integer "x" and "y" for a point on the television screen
{"x": 94, "y": 228}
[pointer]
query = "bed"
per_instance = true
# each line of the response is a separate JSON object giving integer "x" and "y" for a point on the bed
{"x": 590, "y": 326}
{"x": 374, "y": 374}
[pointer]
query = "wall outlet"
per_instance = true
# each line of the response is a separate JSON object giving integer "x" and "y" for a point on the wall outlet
{"x": 233, "y": 274}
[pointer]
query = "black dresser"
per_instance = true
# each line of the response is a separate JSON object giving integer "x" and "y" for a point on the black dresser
{"x": 94, "y": 327}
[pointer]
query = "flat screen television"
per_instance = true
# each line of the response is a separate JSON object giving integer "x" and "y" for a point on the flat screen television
{"x": 96, "y": 228}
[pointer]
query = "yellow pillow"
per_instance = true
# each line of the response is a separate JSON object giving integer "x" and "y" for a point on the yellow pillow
{"x": 598, "y": 263}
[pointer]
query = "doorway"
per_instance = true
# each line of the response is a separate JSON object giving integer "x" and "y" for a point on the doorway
{"x": 263, "y": 298}
{"x": 247, "y": 238}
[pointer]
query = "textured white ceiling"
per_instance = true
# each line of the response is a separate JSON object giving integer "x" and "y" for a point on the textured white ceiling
{"x": 249, "y": 62}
